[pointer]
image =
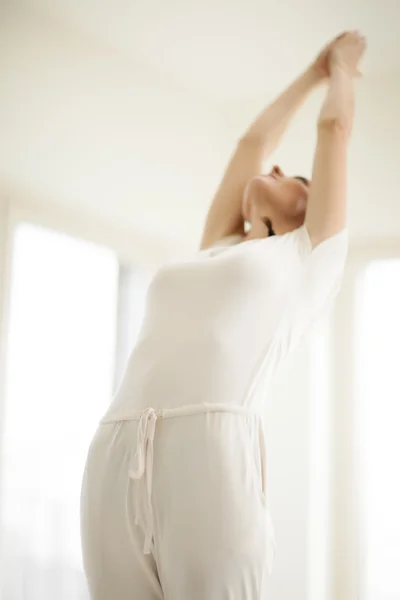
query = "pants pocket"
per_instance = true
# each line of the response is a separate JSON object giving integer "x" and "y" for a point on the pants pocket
{"x": 255, "y": 456}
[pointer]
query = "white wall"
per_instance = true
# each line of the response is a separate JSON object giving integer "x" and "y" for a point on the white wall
{"x": 86, "y": 127}
{"x": 3, "y": 253}
{"x": 4, "y": 287}
{"x": 4, "y": 269}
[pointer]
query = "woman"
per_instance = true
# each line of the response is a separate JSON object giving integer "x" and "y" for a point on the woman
{"x": 174, "y": 500}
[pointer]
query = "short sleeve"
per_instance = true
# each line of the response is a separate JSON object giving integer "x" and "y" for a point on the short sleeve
{"x": 317, "y": 278}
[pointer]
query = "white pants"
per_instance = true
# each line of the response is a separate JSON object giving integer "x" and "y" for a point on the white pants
{"x": 174, "y": 507}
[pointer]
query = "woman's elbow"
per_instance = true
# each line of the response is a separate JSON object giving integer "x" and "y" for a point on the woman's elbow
{"x": 337, "y": 125}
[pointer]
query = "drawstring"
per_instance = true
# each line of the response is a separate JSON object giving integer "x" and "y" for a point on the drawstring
{"x": 144, "y": 466}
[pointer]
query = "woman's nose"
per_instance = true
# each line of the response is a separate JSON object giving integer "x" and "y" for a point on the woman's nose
{"x": 277, "y": 171}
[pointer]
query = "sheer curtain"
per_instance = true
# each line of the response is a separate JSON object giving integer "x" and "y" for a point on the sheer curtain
{"x": 59, "y": 379}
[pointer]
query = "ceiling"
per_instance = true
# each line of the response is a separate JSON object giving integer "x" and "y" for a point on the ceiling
{"x": 231, "y": 49}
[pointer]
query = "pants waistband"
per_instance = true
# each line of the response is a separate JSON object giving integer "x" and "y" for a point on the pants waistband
{"x": 181, "y": 411}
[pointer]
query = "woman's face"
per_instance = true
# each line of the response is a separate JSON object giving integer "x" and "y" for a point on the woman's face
{"x": 275, "y": 197}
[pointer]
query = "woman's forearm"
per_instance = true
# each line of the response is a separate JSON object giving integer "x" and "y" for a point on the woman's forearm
{"x": 326, "y": 209}
{"x": 338, "y": 108}
{"x": 272, "y": 122}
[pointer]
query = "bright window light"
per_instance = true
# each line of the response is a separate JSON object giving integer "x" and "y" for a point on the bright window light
{"x": 378, "y": 418}
{"x": 59, "y": 380}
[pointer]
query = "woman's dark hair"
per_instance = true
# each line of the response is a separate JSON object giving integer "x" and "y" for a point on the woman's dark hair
{"x": 268, "y": 223}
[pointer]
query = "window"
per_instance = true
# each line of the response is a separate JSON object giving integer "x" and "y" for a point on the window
{"x": 59, "y": 381}
{"x": 378, "y": 410}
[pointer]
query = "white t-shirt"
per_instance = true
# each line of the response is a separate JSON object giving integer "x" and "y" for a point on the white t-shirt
{"x": 218, "y": 324}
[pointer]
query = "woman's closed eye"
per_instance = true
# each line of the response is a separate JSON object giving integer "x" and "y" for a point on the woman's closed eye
{"x": 303, "y": 180}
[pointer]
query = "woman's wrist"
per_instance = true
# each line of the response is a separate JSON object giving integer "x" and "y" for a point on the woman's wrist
{"x": 314, "y": 76}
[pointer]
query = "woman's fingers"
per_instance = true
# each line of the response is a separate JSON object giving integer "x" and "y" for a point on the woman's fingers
{"x": 348, "y": 51}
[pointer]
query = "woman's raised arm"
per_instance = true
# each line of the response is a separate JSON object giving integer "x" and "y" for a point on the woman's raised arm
{"x": 326, "y": 208}
{"x": 260, "y": 140}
